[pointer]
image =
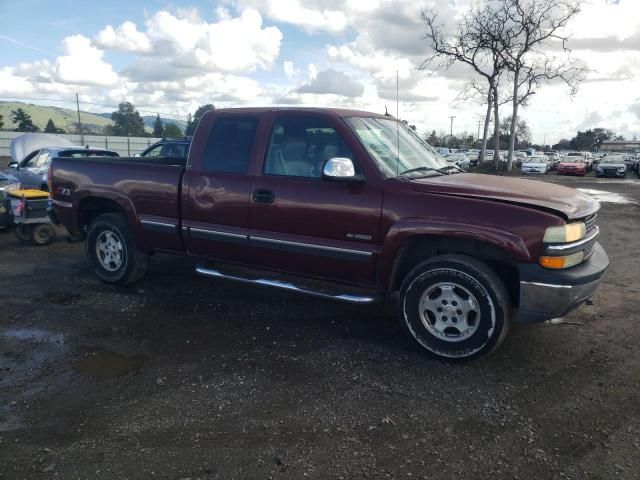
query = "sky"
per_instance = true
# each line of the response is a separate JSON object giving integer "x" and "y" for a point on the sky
{"x": 169, "y": 57}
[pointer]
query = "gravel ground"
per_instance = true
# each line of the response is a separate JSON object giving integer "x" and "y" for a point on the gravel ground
{"x": 185, "y": 377}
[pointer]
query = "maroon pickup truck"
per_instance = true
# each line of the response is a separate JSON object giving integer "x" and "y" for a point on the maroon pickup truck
{"x": 346, "y": 205}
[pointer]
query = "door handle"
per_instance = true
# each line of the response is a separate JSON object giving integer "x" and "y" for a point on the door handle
{"x": 263, "y": 196}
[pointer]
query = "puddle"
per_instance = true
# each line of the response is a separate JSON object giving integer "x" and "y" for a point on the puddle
{"x": 109, "y": 364}
{"x": 607, "y": 197}
{"x": 35, "y": 335}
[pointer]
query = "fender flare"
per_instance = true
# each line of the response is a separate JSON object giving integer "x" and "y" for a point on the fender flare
{"x": 409, "y": 228}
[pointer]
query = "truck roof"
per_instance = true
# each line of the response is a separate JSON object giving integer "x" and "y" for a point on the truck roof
{"x": 337, "y": 112}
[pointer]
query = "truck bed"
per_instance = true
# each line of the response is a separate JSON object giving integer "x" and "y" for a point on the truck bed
{"x": 147, "y": 189}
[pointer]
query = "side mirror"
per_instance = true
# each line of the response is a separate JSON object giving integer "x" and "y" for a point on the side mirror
{"x": 340, "y": 169}
{"x": 13, "y": 164}
{"x": 137, "y": 155}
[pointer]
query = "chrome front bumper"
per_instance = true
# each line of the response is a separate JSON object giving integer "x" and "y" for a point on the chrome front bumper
{"x": 546, "y": 294}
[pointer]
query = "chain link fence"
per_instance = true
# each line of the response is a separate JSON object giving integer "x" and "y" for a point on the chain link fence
{"x": 125, "y": 146}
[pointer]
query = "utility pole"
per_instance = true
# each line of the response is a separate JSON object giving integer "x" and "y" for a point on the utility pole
{"x": 451, "y": 131}
{"x": 79, "y": 121}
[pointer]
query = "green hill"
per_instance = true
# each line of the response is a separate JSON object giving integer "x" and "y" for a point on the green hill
{"x": 62, "y": 117}
{"x": 67, "y": 119}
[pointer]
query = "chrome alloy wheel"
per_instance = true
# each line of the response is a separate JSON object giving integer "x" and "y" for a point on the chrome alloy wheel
{"x": 110, "y": 251}
{"x": 449, "y": 311}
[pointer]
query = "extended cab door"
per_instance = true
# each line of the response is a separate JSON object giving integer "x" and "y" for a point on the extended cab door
{"x": 304, "y": 224}
{"x": 217, "y": 186}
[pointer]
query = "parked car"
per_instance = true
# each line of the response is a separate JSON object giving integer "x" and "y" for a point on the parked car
{"x": 554, "y": 159}
{"x": 322, "y": 201}
{"x": 572, "y": 165}
{"x": 473, "y": 156}
{"x": 612, "y": 166}
{"x": 535, "y": 164}
{"x": 520, "y": 156}
{"x": 168, "y": 147}
{"x": 32, "y": 171}
{"x": 459, "y": 159}
{"x": 23, "y": 145}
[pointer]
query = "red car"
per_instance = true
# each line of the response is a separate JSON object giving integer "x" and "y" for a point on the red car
{"x": 345, "y": 205}
{"x": 573, "y": 166}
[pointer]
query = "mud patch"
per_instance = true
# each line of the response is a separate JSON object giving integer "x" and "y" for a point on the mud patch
{"x": 109, "y": 364}
{"x": 61, "y": 298}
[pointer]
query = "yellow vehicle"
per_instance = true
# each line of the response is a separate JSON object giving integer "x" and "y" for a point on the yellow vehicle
{"x": 30, "y": 212}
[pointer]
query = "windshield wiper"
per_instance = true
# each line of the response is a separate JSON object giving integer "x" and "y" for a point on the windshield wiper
{"x": 443, "y": 170}
{"x": 458, "y": 169}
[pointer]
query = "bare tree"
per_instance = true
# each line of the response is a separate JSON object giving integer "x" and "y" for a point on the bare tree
{"x": 476, "y": 42}
{"x": 534, "y": 25}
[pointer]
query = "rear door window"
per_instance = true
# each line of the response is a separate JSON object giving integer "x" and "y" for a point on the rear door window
{"x": 229, "y": 145}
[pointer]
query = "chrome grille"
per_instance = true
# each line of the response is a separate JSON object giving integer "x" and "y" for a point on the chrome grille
{"x": 590, "y": 221}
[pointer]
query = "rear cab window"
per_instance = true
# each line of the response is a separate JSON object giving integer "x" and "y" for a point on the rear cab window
{"x": 230, "y": 144}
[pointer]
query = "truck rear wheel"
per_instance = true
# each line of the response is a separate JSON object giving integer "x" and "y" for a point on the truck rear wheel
{"x": 455, "y": 307}
{"x": 112, "y": 251}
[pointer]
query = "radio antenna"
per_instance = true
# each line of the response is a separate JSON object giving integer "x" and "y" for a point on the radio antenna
{"x": 397, "y": 127}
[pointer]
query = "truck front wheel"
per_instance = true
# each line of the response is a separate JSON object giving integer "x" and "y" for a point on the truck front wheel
{"x": 112, "y": 251}
{"x": 455, "y": 307}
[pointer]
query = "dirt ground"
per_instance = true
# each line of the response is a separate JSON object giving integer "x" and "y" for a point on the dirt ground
{"x": 184, "y": 377}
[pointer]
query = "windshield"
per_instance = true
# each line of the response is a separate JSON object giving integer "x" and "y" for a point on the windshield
{"x": 575, "y": 155}
{"x": 534, "y": 160}
{"x": 573, "y": 160}
{"x": 612, "y": 160}
{"x": 380, "y": 137}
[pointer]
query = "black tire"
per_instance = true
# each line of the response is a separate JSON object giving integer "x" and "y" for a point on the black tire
{"x": 491, "y": 319}
{"x": 129, "y": 265}
{"x": 43, "y": 234}
{"x": 23, "y": 232}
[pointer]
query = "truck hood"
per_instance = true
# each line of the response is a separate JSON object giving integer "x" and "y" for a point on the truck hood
{"x": 547, "y": 196}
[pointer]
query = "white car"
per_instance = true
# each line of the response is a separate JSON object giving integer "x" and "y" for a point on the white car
{"x": 459, "y": 159}
{"x": 535, "y": 164}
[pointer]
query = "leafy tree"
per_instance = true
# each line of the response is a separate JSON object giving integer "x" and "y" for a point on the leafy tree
{"x": 591, "y": 138}
{"x": 1, "y": 122}
{"x": 432, "y": 139}
{"x": 172, "y": 131}
{"x": 127, "y": 121}
{"x": 158, "y": 127}
{"x": 23, "y": 119}
{"x": 51, "y": 128}
{"x": 193, "y": 123}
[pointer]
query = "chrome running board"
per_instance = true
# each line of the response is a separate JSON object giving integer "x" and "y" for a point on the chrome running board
{"x": 286, "y": 285}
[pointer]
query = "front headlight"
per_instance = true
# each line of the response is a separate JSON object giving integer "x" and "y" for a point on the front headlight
{"x": 570, "y": 232}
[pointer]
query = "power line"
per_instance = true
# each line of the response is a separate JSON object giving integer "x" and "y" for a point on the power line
{"x": 151, "y": 112}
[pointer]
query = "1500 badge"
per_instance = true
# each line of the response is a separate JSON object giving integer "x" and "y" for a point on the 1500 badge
{"x": 359, "y": 236}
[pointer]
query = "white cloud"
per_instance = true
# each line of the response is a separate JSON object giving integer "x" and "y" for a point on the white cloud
{"x": 311, "y": 18}
{"x": 290, "y": 69}
{"x": 184, "y": 45}
{"x": 125, "y": 37}
{"x": 335, "y": 82}
{"x": 83, "y": 63}
{"x": 312, "y": 71}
